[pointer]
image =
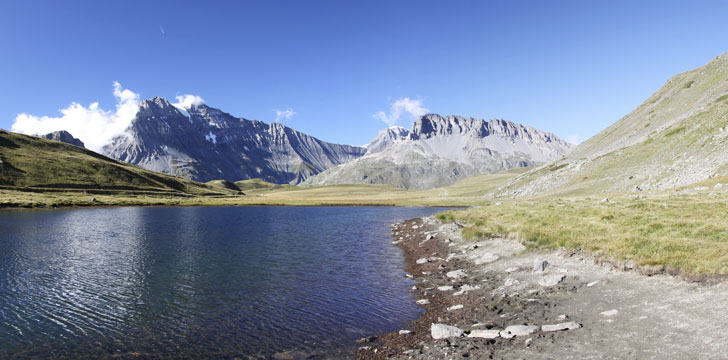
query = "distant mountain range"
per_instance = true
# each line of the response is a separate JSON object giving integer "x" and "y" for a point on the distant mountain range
{"x": 439, "y": 151}
{"x": 204, "y": 143}
{"x": 677, "y": 137}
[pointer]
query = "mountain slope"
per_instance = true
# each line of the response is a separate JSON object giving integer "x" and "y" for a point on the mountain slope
{"x": 204, "y": 143}
{"x": 677, "y": 137}
{"x": 439, "y": 151}
{"x": 32, "y": 163}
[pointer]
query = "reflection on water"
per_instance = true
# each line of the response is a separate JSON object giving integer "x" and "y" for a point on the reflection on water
{"x": 199, "y": 281}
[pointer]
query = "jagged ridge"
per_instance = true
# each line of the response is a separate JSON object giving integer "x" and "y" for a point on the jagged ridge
{"x": 439, "y": 150}
{"x": 204, "y": 143}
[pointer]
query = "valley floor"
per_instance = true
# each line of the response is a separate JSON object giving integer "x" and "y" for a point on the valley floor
{"x": 489, "y": 283}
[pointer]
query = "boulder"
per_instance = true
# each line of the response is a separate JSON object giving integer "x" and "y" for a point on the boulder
{"x": 442, "y": 331}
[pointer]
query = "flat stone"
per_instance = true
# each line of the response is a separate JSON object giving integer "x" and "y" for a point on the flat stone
{"x": 484, "y": 334}
{"x": 610, "y": 312}
{"x": 423, "y": 302}
{"x": 518, "y": 330}
{"x": 455, "y": 307}
{"x": 465, "y": 288}
{"x": 445, "y": 288}
{"x": 485, "y": 258}
{"x": 422, "y": 261}
{"x": 551, "y": 280}
{"x": 592, "y": 283}
{"x": 442, "y": 331}
{"x": 404, "y": 332}
{"x": 456, "y": 274}
{"x": 561, "y": 327}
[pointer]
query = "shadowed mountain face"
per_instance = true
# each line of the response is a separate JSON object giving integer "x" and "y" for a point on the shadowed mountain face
{"x": 204, "y": 143}
{"x": 63, "y": 136}
{"x": 677, "y": 137}
{"x": 440, "y": 150}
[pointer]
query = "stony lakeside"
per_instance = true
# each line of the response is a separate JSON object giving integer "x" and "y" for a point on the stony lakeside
{"x": 488, "y": 298}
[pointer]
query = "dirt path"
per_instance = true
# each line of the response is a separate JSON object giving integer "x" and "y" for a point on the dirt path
{"x": 622, "y": 314}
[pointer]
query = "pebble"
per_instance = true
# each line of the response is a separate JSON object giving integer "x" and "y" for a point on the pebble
{"x": 455, "y": 307}
{"x": 484, "y": 334}
{"x": 422, "y": 261}
{"x": 511, "y": 269}
{"x": 404, "y": 332}
{"x": 429, "y": 237}
{"x": 610, "y": 312}
{"x": 518, "y": 330}
{"x": 592, "y": 283}
{"x": 511, "y": 282}
{"x": 423, "y": 302}
{"x": 442, "y": 331}
{"x": 551, "y": 280}
{"x": 444, "y": 288}
{"x": 560, "y": 327}
{"x": 562, "y": 317}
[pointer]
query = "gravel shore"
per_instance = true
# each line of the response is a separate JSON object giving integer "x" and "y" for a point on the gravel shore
{"x": 489, "y": 299}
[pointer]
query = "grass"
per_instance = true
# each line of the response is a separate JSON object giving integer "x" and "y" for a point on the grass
{"x": 685, "y": 232}
{"x": 689, "y": 84}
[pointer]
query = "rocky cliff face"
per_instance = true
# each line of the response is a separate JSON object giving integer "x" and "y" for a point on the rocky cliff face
{"x": 63, "y": 136}
{"x": 439, "y": 150}
{"x": 204, "y": 143}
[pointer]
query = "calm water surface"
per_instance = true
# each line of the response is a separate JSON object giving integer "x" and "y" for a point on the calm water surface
{"x": 199, "y": 282}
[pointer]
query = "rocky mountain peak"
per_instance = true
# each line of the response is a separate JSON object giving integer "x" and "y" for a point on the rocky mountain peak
{"x": 386, "y": 137}
{"x": 63, "y": 136}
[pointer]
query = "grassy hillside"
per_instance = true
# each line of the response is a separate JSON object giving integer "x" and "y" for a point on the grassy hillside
{"x": 678, "y": 136}
{"x": 260, "y": 184}
{"x": 31, "y": 164}
{"x": 680, "y": 231}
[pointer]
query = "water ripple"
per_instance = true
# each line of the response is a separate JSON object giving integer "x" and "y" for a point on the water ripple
{"x": 199, "y": 282}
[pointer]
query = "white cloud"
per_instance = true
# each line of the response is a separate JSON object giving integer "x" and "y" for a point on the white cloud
{"x": 574, "y": 139}
{"x": 186, "y": 101}
{"x": 413, "y": 107}
{"x": 93, "y": 125}
{"x": 286, "y": 114}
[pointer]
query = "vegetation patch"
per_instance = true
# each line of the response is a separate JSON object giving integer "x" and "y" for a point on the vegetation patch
{"x": 689, "y": 84}
{"x": 675, "y": 131}
{"x": 689, "y": 233}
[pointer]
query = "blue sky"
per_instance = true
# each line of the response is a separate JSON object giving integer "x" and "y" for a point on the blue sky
{"x": 570, "y": 67}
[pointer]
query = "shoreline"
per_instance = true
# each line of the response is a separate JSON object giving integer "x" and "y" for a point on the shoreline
{"x": 577, "y": 306}
{"x": 104, "y": 206}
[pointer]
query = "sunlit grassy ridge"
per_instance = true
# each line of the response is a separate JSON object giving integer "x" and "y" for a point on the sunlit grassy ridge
{"x": 672, "y": 230}
{"x": 678, "y": 136}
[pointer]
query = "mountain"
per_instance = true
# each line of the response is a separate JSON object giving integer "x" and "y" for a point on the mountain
{"x": 677, "y": 137}
{"x": 204, "y": 143}
{"x": 63, "y": 136}
{"x": 31, "y": 163}
{"x": 386, "y": 138}
{"x": 439, "y": 151}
